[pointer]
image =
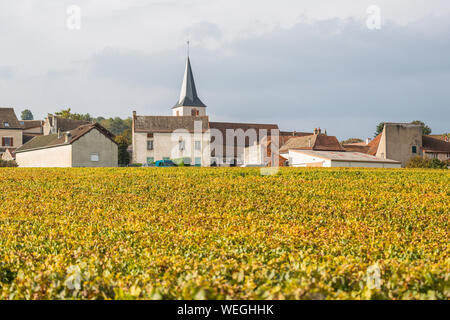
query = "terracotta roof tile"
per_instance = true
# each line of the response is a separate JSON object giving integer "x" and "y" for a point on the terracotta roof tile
{"x": 373, "y": 145}
{"x": 320, "y": 142}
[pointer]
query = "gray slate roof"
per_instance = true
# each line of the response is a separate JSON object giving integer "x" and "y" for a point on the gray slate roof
{"x": 52, "y": 140}
{"x": 29, "y": 124}
{"x": 431, "y": 144}
{"x": 7, "y": 115}
{"x": 64, "y": 124}
{"x": 188, "y": 95}
{"x": 168, "y": 124}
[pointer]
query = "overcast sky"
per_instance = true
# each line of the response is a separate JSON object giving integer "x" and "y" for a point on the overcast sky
{"x": 300, "y": 64}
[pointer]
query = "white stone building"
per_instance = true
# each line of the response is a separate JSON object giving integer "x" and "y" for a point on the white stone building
{"x": 170, "y": 138}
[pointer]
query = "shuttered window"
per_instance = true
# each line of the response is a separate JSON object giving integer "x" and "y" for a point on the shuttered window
{"x": 7, "y": 142}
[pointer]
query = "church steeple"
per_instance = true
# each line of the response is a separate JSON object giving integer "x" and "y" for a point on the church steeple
{"x": 188, "y": 94}
{"x": 189, "y": 104}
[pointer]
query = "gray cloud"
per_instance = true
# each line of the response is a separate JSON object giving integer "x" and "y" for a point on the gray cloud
{"x": 332, "y": 73}
{"x": 335, "y": 74}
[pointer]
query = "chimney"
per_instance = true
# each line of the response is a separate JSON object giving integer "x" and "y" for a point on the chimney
{"x": 54, "y": 124}
{"x": 315, "y": 131}
{"x": 295, "y": 133}
{"x": 67, "y": 136}
{"x": 320, "y": 131}
{"x": 134, "y": 114}
{"x": 368, "y": 140}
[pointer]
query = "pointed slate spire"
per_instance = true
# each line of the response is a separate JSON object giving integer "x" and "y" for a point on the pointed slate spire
{"x": 188, "y": 95}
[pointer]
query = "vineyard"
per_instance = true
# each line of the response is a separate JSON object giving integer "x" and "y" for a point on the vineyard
{"x": 216, "y": 233}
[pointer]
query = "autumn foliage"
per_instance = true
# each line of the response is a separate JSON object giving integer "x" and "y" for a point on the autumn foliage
{"x": 199, "y": 233}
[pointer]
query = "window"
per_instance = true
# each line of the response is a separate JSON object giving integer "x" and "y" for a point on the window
{"x": 194, "y": 112}
{"x": 150, "y": 145}
{"x": 7, "y": 142}
{"x": 414, "y": 149}
{"x": 150, "y": 160}
{"x": 198, "y": 161}
{"x": 6, "y": 124}
{"x": 178, "y": 113}
{"x": 181, "y": 145}
{"x": 94, "y": 157}
{"x": 198, "y": 145}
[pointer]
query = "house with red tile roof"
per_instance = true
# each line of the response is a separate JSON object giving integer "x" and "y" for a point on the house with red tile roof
{"x": 321, "y": 150}
{"x": 402, "y": 141}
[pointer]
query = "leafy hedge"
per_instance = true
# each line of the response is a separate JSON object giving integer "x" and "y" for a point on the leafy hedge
{"x": 424, "y": 162}
{"x": 4, "y": 163}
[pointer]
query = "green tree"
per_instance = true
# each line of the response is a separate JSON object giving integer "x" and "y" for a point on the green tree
{"x": 379, "y": 129}
{"x": 4, "y": 163}
{"x": 419, "y": 162}
{"x": 425, "y": 129}
{"x": 26, "y": 115}
{"x": 424, "y": 162}
{"x": 123, "y": 141}
{"x": 116, "y": 125}
{"x": 67, "y": 114}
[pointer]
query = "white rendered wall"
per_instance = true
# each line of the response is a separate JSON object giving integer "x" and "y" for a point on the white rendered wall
{"x": 351, "y": 164}
{"x": 59, "y": 157}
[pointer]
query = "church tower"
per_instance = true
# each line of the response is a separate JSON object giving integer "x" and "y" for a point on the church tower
{"x": 189, "y": 103}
